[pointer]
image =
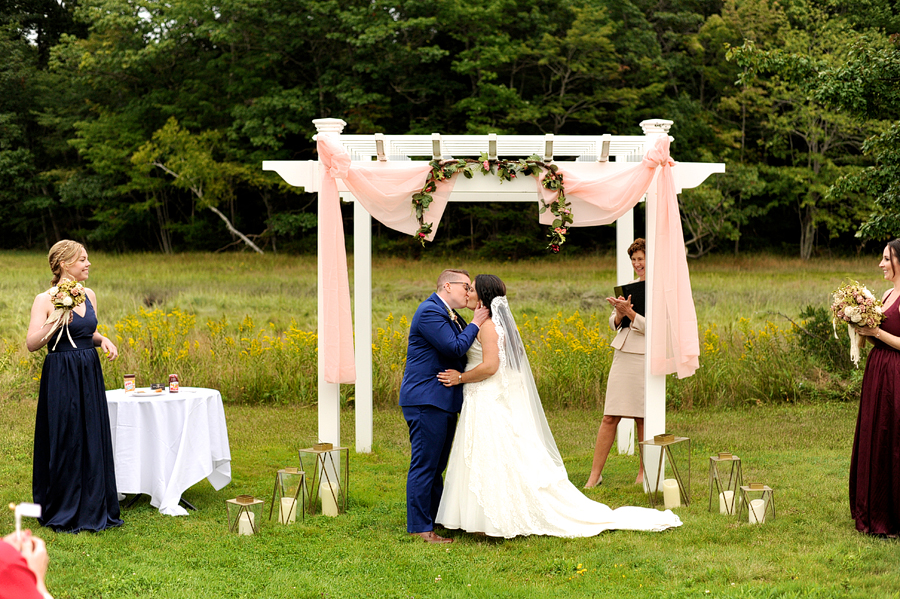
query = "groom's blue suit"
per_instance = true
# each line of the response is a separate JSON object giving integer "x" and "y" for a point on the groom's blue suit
{"x": 436, "y": 343}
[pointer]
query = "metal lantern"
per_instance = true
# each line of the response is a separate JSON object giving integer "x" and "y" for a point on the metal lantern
{"x": 679, "y": 486}
{"x": 725, "y": 481}
{"x": 244, "y": 514}
{"x": 329, "y": 482}
{"x": 289, "y": 491}
{"x": 758, "y": 502}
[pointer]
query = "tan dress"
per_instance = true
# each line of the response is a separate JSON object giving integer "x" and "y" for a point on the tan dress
{"x": 625, "y": 387}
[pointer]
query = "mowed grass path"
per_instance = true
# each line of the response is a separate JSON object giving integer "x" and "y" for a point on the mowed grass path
{"x": 809, "y": 550}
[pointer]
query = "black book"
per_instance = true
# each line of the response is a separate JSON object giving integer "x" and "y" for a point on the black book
{"x": 637, "y": 292}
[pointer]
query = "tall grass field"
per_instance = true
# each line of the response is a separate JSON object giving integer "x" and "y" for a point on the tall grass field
{"x": 774, "y": 387}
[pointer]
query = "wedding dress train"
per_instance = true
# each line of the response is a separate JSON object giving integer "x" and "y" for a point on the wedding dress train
{"x": 505, "y": 478}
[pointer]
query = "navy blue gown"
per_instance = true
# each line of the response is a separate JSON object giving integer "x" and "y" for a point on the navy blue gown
{"x": 74, "y": 477}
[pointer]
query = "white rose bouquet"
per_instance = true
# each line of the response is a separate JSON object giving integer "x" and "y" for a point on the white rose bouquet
{"x": 854, "y": 304}
{"x": 66, "y": 296}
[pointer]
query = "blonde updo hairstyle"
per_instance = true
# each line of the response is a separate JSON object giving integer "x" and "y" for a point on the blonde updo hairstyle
{"x": 62, "y": 253}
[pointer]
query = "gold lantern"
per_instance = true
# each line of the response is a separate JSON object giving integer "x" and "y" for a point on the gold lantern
{"x": 244, "y": 514}
{"x": 329, "y": 482}
{"x": 725, "y": 480}
{"x": 758, "y": 502}
{"x": 679, "y": 487}
{"x": 290, "y": 487}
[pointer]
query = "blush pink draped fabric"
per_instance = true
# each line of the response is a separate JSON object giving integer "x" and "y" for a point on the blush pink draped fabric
{"x": 600, "y": 201}
{"x": 385, "y": 191}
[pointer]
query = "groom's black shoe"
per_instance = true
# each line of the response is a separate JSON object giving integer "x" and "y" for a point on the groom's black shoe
{"x": 431, "y": 537}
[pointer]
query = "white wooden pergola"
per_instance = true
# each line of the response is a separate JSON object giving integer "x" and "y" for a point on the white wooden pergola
{"x": 593, "y": 155}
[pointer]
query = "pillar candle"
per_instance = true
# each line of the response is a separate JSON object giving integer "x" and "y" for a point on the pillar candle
{"x": 671, "y": 495}
{"x": 287, "y": 511}
{"x": 329, "y": 493}
{"x": 726, "y": 502}
{"x": 757, "y": 511}
{"x": 245, "y": 523}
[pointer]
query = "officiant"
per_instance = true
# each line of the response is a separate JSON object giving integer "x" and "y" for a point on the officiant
{"x": 625, "y": 385}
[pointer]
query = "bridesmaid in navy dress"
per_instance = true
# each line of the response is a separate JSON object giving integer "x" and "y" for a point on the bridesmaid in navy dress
{"x": 74, "y": 477}
{"x": 875, "y": 466}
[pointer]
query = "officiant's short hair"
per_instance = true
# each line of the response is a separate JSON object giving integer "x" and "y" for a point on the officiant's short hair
{"x": 450, "y": 275}
{"x": 638, "y": 245}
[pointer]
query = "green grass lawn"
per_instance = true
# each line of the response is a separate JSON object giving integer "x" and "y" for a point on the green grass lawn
{"x": 809, "y": 550}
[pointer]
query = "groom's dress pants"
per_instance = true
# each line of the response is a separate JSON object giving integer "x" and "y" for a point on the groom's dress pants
{"x": 431, "y": 433}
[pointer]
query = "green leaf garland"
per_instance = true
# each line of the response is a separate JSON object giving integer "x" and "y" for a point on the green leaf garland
{"x": 505, "y": 170}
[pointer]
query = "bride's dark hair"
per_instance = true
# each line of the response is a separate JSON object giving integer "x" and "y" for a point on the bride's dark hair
{"x": 488, "y": 287}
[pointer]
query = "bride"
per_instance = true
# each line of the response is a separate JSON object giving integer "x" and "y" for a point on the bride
{"x": 505, "y": 477}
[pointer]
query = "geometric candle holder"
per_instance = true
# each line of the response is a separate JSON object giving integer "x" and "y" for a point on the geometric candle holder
{"x": 667, "y": 442}
{"x": 329, "y": 482}
{"x": 725, "y": 481}
{"x": 290, "y": 489}
{"x": 244, "y": 514}
{"x": 759, "y": 500}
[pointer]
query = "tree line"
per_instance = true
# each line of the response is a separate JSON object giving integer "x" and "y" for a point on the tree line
{"x": 142, "y": 125}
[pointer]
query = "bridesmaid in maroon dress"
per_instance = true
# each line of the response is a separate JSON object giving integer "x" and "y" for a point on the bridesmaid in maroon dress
{"x": 875, "y": 466}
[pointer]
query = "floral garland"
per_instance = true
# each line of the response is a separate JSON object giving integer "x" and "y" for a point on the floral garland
{"x": 506, "y": 170}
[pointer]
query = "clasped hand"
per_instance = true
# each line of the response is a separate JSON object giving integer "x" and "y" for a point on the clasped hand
{"x": 622, "y": 306}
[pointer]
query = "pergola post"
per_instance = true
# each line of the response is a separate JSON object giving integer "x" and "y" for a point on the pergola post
{"x": 362, "y": 326}
{"x": 654, "y": 384}
{"x": 624, "y": 273}
{"x": 329, "y": 399}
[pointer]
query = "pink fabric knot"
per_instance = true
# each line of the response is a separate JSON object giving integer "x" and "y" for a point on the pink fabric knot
{"x": 333, "y": 155}
{"x": 658, "y": 155}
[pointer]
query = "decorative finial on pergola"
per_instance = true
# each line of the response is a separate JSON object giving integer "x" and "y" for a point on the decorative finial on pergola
{"x": 329, "y": 125}
{"x": 656, "y": 126}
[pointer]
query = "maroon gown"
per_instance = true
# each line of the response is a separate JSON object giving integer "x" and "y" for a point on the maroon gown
{"x": 875, "y": 466}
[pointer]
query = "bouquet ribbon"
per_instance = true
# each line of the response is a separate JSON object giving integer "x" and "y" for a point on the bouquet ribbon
{"x": 58, "y": 320}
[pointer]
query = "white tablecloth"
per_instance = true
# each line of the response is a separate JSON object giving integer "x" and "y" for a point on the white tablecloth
{"x": 166, "y": 443}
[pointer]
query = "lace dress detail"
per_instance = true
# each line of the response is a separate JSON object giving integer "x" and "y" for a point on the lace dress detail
{"x": 502, "y": 481}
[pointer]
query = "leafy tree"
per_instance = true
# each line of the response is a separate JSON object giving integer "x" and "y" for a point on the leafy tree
{"x": 812, "y": 144}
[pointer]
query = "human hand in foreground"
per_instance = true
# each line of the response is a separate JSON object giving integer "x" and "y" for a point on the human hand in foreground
{"x": 34, "y": 550}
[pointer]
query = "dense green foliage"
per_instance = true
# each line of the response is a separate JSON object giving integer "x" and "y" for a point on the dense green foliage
{"x": 142, "y": 126}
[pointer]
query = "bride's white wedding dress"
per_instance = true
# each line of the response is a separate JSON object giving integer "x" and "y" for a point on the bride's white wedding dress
{"x": 504, "y": 477}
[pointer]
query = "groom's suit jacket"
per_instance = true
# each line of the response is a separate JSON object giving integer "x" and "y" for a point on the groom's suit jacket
{"x": 436, "y": 343}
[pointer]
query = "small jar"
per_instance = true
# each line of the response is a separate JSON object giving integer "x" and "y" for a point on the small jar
{"x": 129, "y": 382}
{"x": 173, "y": 383}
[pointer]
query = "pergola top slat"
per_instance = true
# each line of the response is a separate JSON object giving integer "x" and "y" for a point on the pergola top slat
{"x": 583, "y": 148}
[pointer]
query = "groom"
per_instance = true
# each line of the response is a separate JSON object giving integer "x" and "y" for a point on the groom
{"x": 438, "y": 340}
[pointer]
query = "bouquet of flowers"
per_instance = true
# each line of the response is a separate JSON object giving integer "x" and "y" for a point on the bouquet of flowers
{"x": 854, "y": 304}
{"x": 65, "y": 297}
